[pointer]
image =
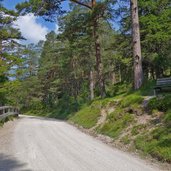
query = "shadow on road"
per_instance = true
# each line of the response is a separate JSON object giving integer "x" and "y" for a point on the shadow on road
{"x": 8, "y": 163}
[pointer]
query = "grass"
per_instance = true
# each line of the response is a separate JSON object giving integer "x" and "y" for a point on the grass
{"x": 147, "y": 88}
{"x": 137, "y": 129}
{"x": 117, "y": 121}
{"x": 167, "y": 118}
{"x": 126, "y": 139}
{"x": 162, "y": 104}
{"x": 156, "y": 143}
{"x": 88, "y": 116}
{"x": 131, "y": 99}
{"x": 9, "y": 118}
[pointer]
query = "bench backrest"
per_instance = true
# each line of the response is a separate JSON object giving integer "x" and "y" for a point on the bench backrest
{"x": 164, "y": 82}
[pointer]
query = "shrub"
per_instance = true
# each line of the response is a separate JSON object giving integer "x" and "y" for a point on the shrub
{"x": 117, "y": 89}
{"x": 162, "y": 104}
{"x": 157, "y": 143}
{"x": 167, "y": 117}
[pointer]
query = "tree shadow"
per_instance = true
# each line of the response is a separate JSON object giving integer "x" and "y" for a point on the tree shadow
{"x": 9, "y": 163}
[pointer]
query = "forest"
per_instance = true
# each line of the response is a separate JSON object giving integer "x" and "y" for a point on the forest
{"x": 104, "y": 50}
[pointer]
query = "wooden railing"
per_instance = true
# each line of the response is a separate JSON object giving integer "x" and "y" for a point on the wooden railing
{"x": 6, "y": 111}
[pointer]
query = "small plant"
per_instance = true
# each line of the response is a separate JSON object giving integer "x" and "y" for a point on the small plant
{"x": 162, "y": 104}
{"x": 126, "y": 139}
{"x": 167, "y": 117}
{"x": 137, "y": 129}
{"x": 156, "y": 143}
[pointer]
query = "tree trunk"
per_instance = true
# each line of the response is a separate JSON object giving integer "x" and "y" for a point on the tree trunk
{"x": 91, "y": 85}
{"x": 0, "y": 51}
{"x": 113, "y": 77}
{"x": 99, "y": 65}
{"x": 138, "y": 73}
{"x": 1, "y": 60}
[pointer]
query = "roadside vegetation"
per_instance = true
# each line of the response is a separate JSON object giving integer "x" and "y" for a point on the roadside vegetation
{"x": 90, "y": 71}
{"x": 136, "y": 121}
{"x": 9, "y": 118}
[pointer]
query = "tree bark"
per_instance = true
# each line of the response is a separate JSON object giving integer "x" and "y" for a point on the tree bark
{"x": 138, "y": 72}
{"x": 1, "y": 56}
{"x": 91, "y": 85}
{"x": 99, "y": 64}
{"x": 113, "y": 77}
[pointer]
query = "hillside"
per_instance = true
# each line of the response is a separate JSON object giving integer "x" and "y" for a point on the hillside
{"x": 134, "y": 120}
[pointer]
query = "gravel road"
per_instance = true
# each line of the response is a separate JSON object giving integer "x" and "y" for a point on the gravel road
{"x": 32, "y": 143}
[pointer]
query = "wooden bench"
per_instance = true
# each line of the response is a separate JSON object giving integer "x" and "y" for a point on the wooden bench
{"x": 162, "y": 83}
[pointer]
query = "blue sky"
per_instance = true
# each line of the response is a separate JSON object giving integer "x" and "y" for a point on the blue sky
{"x": 32, "y": 28}
{"x": 35, "y": 28}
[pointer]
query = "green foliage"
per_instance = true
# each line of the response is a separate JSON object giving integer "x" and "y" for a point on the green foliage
{"x": 138, "y": 129}
{"x": 116, "y": 123}
{"x": 131, "y": 99}
{"x": 53, "y": 78}
{"x": 87, "y": 117}
{"x": 167, "y": 117}
{"x": 47, "y": 9}
{"x": 9, "y": 118}
{"x": 147, "y": 88}
{"x": 157, "y": 143}
{"x": 126, "y": 139}
{"x": 117, "y": 89}
{"x": 161, "y": 104}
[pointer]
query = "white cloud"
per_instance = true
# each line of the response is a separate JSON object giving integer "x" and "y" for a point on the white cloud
{"x": 57, "y": 29}
{"x": 30, "y": 29}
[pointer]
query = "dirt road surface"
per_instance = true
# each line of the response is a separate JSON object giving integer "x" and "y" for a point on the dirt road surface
{"x": 39, "y": 144}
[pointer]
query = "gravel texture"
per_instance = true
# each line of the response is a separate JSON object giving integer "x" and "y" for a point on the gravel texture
{"x": 40, "y": 144}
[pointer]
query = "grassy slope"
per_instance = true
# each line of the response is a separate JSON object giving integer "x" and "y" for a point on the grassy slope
{"x": 152, "y": 136}
{"x": 87, "y": 116}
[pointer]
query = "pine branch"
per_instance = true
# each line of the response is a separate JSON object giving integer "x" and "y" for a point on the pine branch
{"x": 83, "y": 4}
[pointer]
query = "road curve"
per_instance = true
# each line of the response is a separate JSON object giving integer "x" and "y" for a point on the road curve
{"x": 38, "y": 144}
